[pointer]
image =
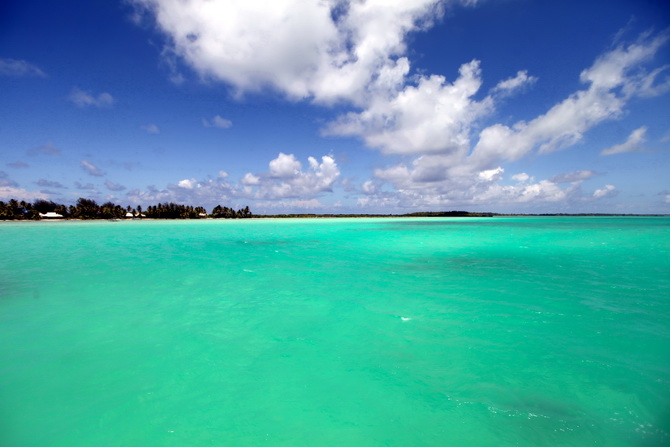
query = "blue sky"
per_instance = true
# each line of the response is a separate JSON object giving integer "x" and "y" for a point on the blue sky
{"x": 337, "y": 106}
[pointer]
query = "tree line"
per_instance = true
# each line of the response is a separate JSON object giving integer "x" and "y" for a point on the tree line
{"x": 88, "y": 209}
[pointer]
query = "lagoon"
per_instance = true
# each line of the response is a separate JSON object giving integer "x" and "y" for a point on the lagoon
{"x": 308, "y": 332}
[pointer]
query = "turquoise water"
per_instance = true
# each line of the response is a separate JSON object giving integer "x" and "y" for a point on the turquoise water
{"x": 351, "y": 332}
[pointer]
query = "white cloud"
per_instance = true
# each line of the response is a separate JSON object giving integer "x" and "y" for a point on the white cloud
{"x": 250, "y": 179}
{"x": 188, "y": 183}
{"x": 83, "y": 98}
{"x": 562, "y": 126}
{"x": 206, "y": 193}
{"x": 151, "y": 128}
{"x": 8, "y": 192}
{"x": 508, "y": 86}
{"x": 222, "y": 174}
{"x": 20, "y": 68}
{"x": 607, "y": 191}
{"x": 542, "y": 191}
{"x": 491, "y": 175}
{"x": 434, "y": 116}
{"x": 632, "y": 144}
{"x": 611, "y": 85}
{"x": 439, "y": 177}
{"x": 370, "y": 187}
{"x": 285, "y": 166}
{"x": 254, "y": 44}
{"x": 286, "y": 179}
{"x": 482, "y": 189}
{"x": 612, "y": 69}
{"x": 217, "y": 121}
{"x": 300, "y": 187}
{"x": 356, "y": 56}
{"x": 152, "y": 195}
{"x": 91, "y": 169}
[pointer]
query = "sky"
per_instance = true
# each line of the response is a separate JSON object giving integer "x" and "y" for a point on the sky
{"x": 338, "y": 106}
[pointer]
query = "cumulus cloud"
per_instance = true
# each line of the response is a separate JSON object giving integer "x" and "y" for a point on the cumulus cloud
{"x": 356, "y": 56}
{"x": 435, "y": 116}
{"x": 509, "y": 86}
{"x": 436, "y": 120}
{"x": 91, "y": 169}
{"x": 249, "y": 179}
{"x": 483, "y": 189}
{"x": 286, "y": 178}
{"x": 285, "y": 166}
{"x": 614, "y": 78}
{"x": 285, "y": 182}
{"x": 45, "y": 149}
{"x": 562, "y": 126}
{"x": 491, "y": 175}
{"x": 151, "y": 128}
{"x": 521, "y": 177}
{"x": 217, "y": 121}
{"x": 632, "y": 144}
{"x": 8, "y": 192}
{"x": 447, "y": 175}
{"x": 20, "y": 69}
{"x": 607, "y": 191}
{"x": 611, "y": 85}
{"x": 252, "y": 45}
{"x": 188, "y": 183}
{"x": 210, "y": 192}
{"x": 615, "y": 68}
{"x": 83, "y": 99}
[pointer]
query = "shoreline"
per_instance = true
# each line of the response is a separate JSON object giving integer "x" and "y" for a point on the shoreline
{"x": 344, "y": 216}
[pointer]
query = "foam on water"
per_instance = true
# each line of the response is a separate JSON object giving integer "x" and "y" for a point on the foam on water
{"x": 366, "y": 332}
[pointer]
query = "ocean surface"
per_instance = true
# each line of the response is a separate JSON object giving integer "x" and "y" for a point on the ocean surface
{"x": 529, "y": 331}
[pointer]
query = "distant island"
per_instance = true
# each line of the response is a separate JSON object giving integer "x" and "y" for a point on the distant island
{"x": 87, "y": 209}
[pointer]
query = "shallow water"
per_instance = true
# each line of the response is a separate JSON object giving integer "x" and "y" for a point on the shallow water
{"x": 362, "y": 332}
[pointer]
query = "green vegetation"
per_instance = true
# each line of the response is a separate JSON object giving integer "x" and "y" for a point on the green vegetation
{"x": 87, "y": 209}
{"x": 229, "y": 213}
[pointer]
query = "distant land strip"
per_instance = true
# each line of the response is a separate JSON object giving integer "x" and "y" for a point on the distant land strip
{"x": 87, "y": 209}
